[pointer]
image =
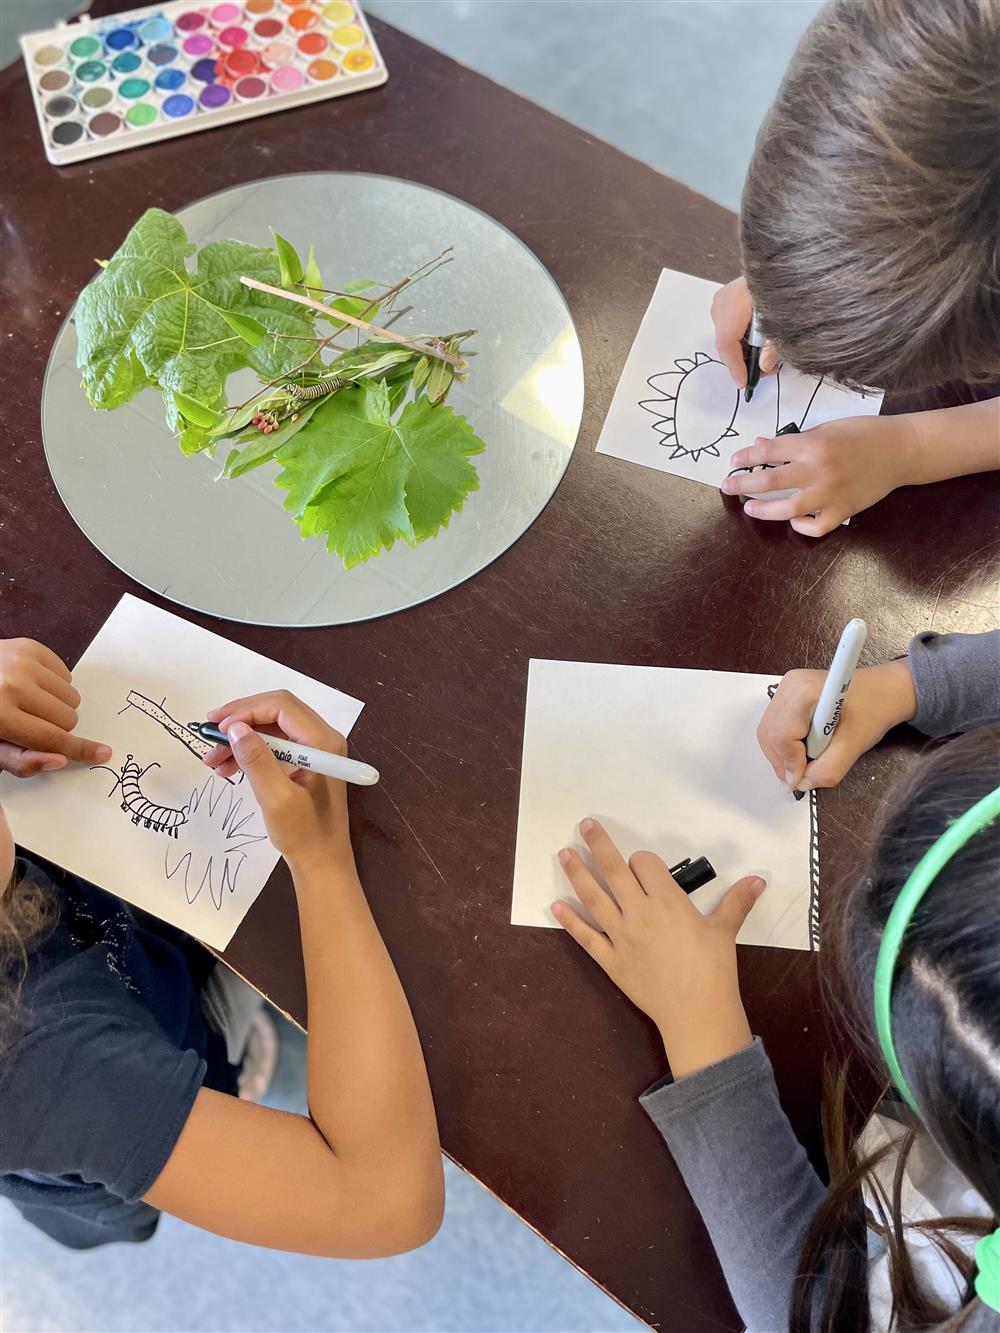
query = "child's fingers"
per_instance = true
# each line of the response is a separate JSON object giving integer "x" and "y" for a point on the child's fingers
{"x": 597, "y": 945}
{"x": 58, "y": 686}
{"x": 278, "y": 707}
{"x": 38, "y": 702}
{"x": 738, "y": 903}
{"x": 769, "y": 359}
{"x": 818, "y": 525}
{"x": 609, "y": 861}
{"x": 798, "y": 505}
{"x": 781, "y": 478}
{"x": 601, "y": 906}
{"x": 730, "y": 350}
{"x": 774, "y": 452}
{"x": 45, "y": 656}
{"x": 21, "y": 763}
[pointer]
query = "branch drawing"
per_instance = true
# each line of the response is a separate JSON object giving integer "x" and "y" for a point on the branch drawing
{"x": 219, "y": 830}
{"x": 160, "y": 818}
{"x": 198, "y": 746}
{"x": 697, "y": 383}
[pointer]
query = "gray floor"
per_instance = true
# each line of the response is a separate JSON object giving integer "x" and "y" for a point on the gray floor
{"x": 681, "y": 84}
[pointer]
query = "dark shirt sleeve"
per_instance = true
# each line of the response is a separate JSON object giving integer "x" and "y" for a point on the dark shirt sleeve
{"x": 94, "y": 1089}
{"x": 747, "y": 1173}
{"x": 957, "y": 679}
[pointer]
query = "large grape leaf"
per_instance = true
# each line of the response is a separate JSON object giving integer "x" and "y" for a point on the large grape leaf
{"x": 362, "y": 481}
{"x": 147, "y": 319}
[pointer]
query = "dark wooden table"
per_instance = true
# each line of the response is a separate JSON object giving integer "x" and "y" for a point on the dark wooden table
{"x": 536, "y": 1061}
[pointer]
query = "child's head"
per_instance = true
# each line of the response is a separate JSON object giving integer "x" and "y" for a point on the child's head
{"x": 870, "y": 220}
{"x": 945, "y": 1023}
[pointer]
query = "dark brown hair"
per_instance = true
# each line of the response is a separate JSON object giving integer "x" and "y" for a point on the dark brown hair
{"x": 26, "y": 911}
{"x": 870, "y": 221}
{"x": 946, "y": 1030}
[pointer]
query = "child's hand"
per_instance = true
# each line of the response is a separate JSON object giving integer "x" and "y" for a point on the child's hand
{"x": 305, "y": 813}
{"x": 838, "y": 470}
{"x": 879, "y": 698}
{"x": 678, "y": 966}
{"x": 732, "y": 311}
{"x": 38, "y": 713}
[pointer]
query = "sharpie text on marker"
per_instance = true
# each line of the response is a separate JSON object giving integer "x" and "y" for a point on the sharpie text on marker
{"x": 300, "y": 756}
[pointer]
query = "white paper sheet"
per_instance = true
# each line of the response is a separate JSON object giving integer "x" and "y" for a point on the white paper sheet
{"x": 676, "y": 407}
{"x": 191, "y": 847}
{"x": 667, "y": 759}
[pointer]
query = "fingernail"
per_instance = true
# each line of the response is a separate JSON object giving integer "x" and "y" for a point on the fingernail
{"x": 806, "y": 784}
{"x": 558, "y": 908}
{"x": 237, "y": 731}
{"x": 750, "y": 508}
{"x": 586, "y": 825}
{"x": 103, "y": 752}
{"x": 51, "y": 765}
{"x": 789, "y": 777}
{"x": 729, "y": 485}
{"x": 757, "y": 886}
{"x": 565, "y": 856}
{"x": 739, "y": 458}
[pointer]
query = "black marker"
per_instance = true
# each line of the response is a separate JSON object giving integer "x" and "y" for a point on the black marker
{"x": 691, "y": 875}
{"x": 755, "y": 341}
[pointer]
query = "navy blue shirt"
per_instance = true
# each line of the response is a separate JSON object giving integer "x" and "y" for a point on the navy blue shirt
{"x": 100, "y": 1072}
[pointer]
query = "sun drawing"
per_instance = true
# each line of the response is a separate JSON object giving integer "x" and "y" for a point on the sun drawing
{"x": 696, "y": 408}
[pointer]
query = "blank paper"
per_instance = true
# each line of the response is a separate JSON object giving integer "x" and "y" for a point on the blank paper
{"x": 667, "y": 760}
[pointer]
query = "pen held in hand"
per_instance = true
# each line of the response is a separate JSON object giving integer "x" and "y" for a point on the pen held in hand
{"x": 300, "y": 756}
{"x": 830, "y": 704}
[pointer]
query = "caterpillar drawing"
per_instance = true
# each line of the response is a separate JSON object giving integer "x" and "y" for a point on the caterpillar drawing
{"x": 160, "y": 818}
{"x": 320, "y": 390}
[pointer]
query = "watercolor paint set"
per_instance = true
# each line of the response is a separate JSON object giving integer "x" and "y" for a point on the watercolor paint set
{"x": 103, "y": 85}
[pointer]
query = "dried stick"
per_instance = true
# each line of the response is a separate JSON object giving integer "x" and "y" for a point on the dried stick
{"x": 438, "y": 353}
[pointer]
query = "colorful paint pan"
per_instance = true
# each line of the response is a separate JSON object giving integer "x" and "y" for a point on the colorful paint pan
{"x": 130, "y": 89}
{"x": 358, "y": 62}
{"x": 288, "y": 79}
{"x": 55, "y": 81}
{"x": 67, "y": 133}
{"x": 60, "y": 106}
{"x": 96, "y": 98}
{"x": 178, "y": 105}
{"x": 277, "y": 53}
{"x": 100, "y": 85}
{"x": 322, "y": 71}
{"x": 250, "y": 88}
{"x": 312, "y": 44}
{"x": 89, "y": 71}
{"x": 169, "y": 80}
{"x": 214, "y": 95}
{"x": 85, "y": 48}
{"x": 141, "y": 115}
{"x": 121, "y": 39}
{"x": 104, "y": 123}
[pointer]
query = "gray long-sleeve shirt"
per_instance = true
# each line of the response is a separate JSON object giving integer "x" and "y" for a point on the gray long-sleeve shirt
{"x": 747, "y": 1173}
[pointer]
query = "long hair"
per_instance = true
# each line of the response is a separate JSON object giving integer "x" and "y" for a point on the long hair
{"x": 869, "y": 220}
{"x": 27, "y": 909}
{"x": 946, "y": 1030}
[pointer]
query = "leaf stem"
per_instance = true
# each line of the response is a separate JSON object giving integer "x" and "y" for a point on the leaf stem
{"x": 428, "y": 349}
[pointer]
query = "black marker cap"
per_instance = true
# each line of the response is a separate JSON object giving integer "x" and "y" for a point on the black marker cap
{"x": 691, "y": 875}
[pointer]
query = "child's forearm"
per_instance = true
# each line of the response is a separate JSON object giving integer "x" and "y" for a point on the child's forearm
{"x": 368, "y": 1089}
{"x": 952, "y": 442}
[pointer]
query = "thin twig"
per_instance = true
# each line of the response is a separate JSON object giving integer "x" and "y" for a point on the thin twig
{"x": 438, "y": 353}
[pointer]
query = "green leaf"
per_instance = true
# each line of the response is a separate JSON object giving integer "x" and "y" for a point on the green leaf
{"x": 312, "y": 279}
{"x": 439, "y": 381}
{"x": 420, "y": 372}
{"x": 362, "y": 481}
{"x": 255, "y": 447}
{"x": 360, "y": 285}
{"x": 290, "y": 265}
{"x": 350, "y": 305}
{"x": 197, "y": 413}
{"x": 251, "y": 330}
{"x": 146, "y": 319}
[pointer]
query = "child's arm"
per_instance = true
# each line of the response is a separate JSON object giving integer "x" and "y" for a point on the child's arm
{"x": 947, "y": 683}
{"x": 38, "y": 712}
{"x": 846, "y": 466}
{"x": 720, "y": 1116}
{"x": 361, "y": 1177}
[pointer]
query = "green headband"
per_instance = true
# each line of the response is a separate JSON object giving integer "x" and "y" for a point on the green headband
{"x": 910, "y": 896}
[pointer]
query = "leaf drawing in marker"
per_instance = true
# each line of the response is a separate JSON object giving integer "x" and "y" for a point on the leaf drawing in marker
{"x": 220, "y": 827}
{"x": 160, "y": 818}
{"x": 696, "y": 408}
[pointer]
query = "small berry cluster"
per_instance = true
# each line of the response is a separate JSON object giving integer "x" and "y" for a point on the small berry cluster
{"x": 266, "y": 422}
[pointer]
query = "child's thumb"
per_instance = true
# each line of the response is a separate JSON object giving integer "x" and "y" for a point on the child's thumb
{"x": 262, "y": 769}
{"x": 738, "y": 903}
